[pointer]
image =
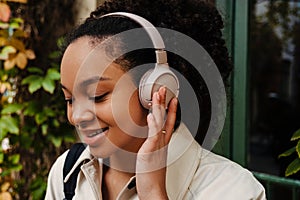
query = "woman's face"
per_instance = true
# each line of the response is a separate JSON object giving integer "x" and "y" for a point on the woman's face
{"x": 102, "y": 100}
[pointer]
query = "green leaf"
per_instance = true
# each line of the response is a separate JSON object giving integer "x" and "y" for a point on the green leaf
{"x": 288, "y": 152}
{"x": 14, "y": 159}
{"x": 70, "y": 138}
{"x": 49, "y": 112}
{"x": 54, "y": 54}
{"x": 298, "y": 148}
{"x": 48, "y": 85}
{"x": 56, "y": 141}
{"x": 1, "y": 157}
{"x": 38, "y": 193}
{"x": 31, "y": 109}
{"x": 54, "y": 65}
{"x": 35, "y": 70}
{"x": 14, "y": 25}
{"x": 18, "y": 20}
{"x": 5, "y": 173}
{"x": 293, "y": 167}
{"x": 26, "y": 139}
{"x": 10, "y": 124}
{"x": 40, "y": 118}
{"x": 296, "y": 135}
{"x": 34, "y": 86}
{"x": 12, "y": 108}
{"x": 53, "y": 74}
{"x": 29, "y": 79}
{"x": 55, "y": 123}
{"x": 44, "y": 129}
{"x": 3, "y": 130}
{"x": 60, "y": 41}
{"x": 38, "y": 188}
{"x": 16, "y": 168}
{"x": 37, "y": 182}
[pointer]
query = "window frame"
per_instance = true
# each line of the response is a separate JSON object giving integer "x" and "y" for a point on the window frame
{"x": 233, "y": 141}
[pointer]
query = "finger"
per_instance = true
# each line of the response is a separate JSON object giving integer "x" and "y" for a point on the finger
{"x": 154, "y": 140}
{"x": 162, "y": 104}
{"x": 158, "y": 110}
{"x": 171, "y": 118}
{"x": 162, "y": 93}
{"x": 152, "y": 126}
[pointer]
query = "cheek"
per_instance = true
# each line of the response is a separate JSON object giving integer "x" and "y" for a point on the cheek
{"x": 128, "y": 113}
{"x": 103, "y": 112}
{"x": 137, "y": 112}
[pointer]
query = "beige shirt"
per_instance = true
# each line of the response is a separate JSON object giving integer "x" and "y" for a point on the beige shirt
{"x": 192, "y": 173}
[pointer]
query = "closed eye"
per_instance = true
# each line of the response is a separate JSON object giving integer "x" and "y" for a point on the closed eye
{"x": 100, "y": 98}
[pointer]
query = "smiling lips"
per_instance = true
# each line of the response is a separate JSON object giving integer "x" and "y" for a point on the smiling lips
{"x": 93, "y": 137}
{"x": 97, "y": 132}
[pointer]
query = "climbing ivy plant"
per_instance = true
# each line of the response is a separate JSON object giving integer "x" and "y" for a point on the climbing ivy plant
{"x": 32, "y": 117}
{"x": 294, "y": 166}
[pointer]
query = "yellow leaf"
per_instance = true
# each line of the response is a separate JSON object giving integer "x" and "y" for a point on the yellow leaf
{"x": 19, "y": 34}
{"x": 30, "y": 54}
{"x": 4, "y": 12}
{"x": 5, "y": 186}
{"x": 3, "y": 41}
{"x": 5, "y": 196}
{"x": 18, "y": 44}
{"x": 21, "y": 60}
{"x": 9, "y": 64}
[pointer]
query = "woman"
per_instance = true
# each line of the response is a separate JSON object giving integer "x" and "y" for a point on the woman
{"x": 137, "y": 151}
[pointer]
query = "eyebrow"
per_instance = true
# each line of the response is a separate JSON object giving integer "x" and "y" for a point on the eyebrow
{"x": 87, "y": 82}
{"x": 92, "y": 80}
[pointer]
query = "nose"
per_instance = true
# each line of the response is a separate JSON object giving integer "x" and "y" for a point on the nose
{"x": 82, "y": 114}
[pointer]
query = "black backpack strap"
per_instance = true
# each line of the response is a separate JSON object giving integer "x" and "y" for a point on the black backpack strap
{"x": 73, "y": 154}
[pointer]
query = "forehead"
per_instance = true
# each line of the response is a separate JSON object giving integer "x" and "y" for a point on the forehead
{"x": 82, "y": 61}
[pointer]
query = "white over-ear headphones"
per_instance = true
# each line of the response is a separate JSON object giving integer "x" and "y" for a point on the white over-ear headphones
{"x": 161, "y": 75}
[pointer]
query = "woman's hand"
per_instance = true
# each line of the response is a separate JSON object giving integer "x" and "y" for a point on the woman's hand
{"x": 152, "y": 156}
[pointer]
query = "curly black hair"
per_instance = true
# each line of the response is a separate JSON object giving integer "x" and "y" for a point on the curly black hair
{"x": 197, "y": 19}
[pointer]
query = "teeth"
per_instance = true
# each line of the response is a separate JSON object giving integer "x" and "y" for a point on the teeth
{"x": 93, "y": 134}
{"x": 96, "y": 133}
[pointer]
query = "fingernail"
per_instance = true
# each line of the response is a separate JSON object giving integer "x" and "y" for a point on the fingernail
{"x": 157, "y": 96}
{"x": 164, "y": 90}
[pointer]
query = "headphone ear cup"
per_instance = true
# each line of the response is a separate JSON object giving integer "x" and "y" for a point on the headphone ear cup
{"x": 152, "y": 80}
{"x": 145, "y": 90}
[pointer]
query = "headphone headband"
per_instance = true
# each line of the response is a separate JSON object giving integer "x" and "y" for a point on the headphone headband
{"x": 161, "y": 75}
{"x": 158, "y": 43}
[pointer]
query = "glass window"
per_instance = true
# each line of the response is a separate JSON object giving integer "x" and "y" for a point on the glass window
{"x": 274, "y": 50}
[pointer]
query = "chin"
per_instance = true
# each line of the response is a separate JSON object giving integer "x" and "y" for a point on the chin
{"x": 102, "y": 151}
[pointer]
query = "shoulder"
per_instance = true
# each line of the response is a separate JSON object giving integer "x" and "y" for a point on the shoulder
{"x": 55, "y": 178}
{"x": 220, "y": 178}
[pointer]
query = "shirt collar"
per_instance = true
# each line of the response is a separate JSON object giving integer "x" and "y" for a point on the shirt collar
{"x": 84, "y": 157}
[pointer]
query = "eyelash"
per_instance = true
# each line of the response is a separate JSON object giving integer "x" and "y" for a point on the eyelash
{"x": 69, "y": 101}
{"x": 96, "y": 99}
